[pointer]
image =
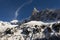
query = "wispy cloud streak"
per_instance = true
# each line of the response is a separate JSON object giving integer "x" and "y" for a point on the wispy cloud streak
{"x": 16, "y": 13}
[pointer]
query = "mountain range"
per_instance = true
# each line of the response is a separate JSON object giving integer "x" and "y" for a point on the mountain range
{"x": 41, "y": 25}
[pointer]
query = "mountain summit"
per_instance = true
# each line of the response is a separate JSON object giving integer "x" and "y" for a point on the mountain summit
{"x": 45, "y": 15}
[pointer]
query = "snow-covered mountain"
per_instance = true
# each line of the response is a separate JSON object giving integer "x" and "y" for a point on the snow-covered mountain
{"x": 41, "y": 25}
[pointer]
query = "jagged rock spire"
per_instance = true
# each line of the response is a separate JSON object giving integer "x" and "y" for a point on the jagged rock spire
{"x": 35, "y": 11}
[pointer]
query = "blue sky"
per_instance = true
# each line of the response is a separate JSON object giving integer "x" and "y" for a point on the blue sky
{"x": 8, "y": 8}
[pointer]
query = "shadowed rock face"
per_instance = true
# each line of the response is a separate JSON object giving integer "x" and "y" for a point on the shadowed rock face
{"x": 46, "y": 15}
{"x": 8, "y": 31}
{"x": 43, "y": 26}
{"x": 25, "y": 31}
{"x": 51, "y": 38}
{"x": 56, "y": 27}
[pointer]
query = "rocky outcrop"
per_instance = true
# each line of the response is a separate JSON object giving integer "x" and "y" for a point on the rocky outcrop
{"x": 45, "y": 15}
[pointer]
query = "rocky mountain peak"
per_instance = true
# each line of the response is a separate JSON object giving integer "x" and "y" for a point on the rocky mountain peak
{"x": 35, "y": 11}
{"x": 45, "y": 15}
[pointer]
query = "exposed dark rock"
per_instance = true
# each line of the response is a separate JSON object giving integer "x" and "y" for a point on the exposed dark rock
{"x": 43, "y": 26}
{"x": 56, "y": 27}
{"x": 25, "y": 31}
{"x": 54, "y": 38}
{"x": 8, "y": 31}
{"x": 35, "y": 31}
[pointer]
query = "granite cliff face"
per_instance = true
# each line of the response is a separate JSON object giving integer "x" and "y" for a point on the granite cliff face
{"x": 41, "y": 25}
